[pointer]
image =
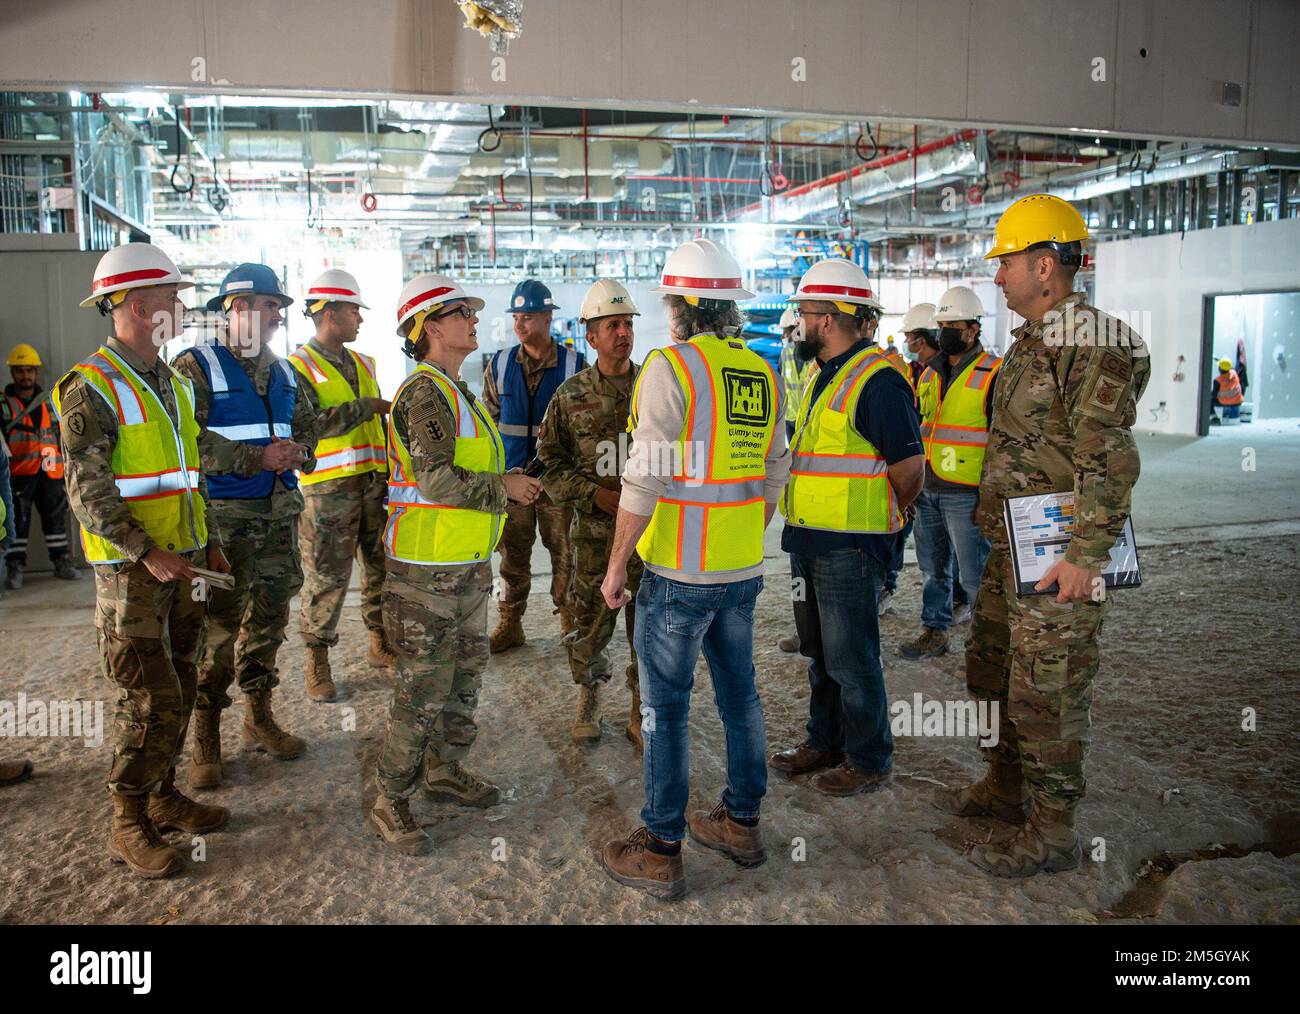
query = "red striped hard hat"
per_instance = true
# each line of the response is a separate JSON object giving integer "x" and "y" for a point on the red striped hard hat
{"x": 429, "y": 292}
{"x": 705, "y": 270}
{"x": 837, "y": 280}
{"x": 334, "y": 286}
{"x": 133, "y": 266}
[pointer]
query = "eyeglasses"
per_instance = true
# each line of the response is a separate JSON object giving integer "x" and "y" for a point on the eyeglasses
{"x": 464, "y": 309}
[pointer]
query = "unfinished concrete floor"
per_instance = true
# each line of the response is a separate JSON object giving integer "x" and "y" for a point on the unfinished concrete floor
{"x": 1199, "y": 817}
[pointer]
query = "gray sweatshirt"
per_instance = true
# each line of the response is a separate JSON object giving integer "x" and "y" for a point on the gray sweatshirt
{"x": 646, "y": 474}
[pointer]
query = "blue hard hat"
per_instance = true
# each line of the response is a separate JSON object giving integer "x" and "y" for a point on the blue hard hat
{"x": 531, "y": 296}
{"x": 249, "y": 280}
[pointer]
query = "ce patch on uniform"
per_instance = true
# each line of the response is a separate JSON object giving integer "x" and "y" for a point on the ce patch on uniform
{"x": 1110, "y": 382}
{"x": 749, "y": 397}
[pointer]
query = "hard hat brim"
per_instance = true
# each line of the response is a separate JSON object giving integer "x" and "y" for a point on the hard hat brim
{"x": 90, "y": 301}
{"x": 634, "y": 312}
{"x": 733, "y": 295}
{"x": 215, "y": 302}
{"x": 535, "y": 309}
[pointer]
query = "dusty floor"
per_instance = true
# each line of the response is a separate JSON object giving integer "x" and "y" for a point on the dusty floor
{"x": 1172, "y": 773}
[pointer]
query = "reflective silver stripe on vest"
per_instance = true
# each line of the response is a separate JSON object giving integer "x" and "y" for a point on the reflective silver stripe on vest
{"x": 839, "y": 465}
{"x": 348, "y": 457}
{"x": 714, "y": 492}
{"x": 139, "y": 488}
{"x": 407, "y": 495}
{"x": 515, "y": 430}
{"x": 218, "y": 381}
{"x": 702, "y": 412}
{"x": 290, "y": 374}
{"x": 954, "y": 435}
{"x": 132, "y": 410}
{"x": 253, "y": 431}
{"x": 847, "y": 378}
{"x": 499, "y": 366}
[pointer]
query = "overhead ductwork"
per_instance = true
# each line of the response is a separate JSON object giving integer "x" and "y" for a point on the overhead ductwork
{"x": 568, "y": 156}
{"x": 558, "y": 189}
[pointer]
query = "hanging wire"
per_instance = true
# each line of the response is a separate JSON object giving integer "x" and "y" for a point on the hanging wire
{"x": 857, "y": 145}
{"x": 177, "y": 167}
{"x": 492, "y": 129}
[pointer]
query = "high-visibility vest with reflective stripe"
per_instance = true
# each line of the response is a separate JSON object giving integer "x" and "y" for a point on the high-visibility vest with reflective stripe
{"x": 420, "y": 531}
{"x": 839, "y": 481}
{"x": 521, "y": 412}
{"x": 1230, "y": 392}
{"x": 795, "y": 378}
{"x": 34, "y": 442}
{"x": 238, "y": 412}
{"x": 710, "y": 518}
{"x": 954, "y": 425}
{"x": 156, "y": 465}
{"x": 360, "y": 449}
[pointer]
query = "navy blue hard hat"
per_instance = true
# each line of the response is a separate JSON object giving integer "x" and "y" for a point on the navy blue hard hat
{"x": 249, "y": 280}
{"x": 531, "y": 296}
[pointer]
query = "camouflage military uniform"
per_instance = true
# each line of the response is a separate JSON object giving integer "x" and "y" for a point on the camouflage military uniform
{"x": 435, "y": 617}
{"x": 583, "y": 446}
{"x": 246, "y": 624}
{"x": 150, "y": 634}
{"x": 1061, "y": 420}
{"x": 524, "y": 521}
{"x": 342, "y": 518}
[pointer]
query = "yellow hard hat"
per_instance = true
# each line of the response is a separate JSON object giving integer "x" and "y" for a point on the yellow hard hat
{"x": 23, "y": 355}
{"x": 1225, "y": 364}
{"x": 1038, "y": 218}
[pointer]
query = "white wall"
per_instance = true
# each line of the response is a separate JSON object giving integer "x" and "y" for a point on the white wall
{"x": 1164, "y": 279}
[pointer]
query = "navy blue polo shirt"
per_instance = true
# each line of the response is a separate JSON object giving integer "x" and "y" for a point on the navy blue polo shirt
{"x": 886, "y": 415}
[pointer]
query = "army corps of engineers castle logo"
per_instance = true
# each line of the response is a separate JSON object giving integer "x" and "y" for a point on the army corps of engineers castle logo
{"x": 749, "y": 397}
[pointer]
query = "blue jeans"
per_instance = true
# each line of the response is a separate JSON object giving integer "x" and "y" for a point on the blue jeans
{"x": 944, "y": 530}
{"x": 839, "y": 632}
{"x": 891, "y": 576}
{"x": 674, "y": 621}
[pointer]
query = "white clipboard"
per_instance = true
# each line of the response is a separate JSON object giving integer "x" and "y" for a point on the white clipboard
{"x": 1040, "y": 526}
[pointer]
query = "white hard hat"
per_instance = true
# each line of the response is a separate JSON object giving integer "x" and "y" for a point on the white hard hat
{"x": 133, "y": 266}
{"x": 919, "y": 318}
{"x": 703, "y": 269}
{"x": 789, "y": 317}
{"x": 838, "y": 281}
{"x": 334, "y": 286}
{"x": 606, "y": 298}
{"x": 429, "y": 292}
{"x": 959, "y": 303}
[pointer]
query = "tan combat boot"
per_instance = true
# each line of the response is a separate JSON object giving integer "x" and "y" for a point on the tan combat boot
{"x": 206, "y": 771}
{"x": 586, "y": 725}
{"x": 392, "y": 818}
{"x": 1047, "y": 843}
{"x": 1001, "y": 794}
{"x": 12, "y": 772}
{"x": 632, "y": 863}
{"x": 380, "y": 654}
{"x": 930, "y": 644}
{"x": 319, "y": 681}
{"x": 714, "y": 829}
{"x": 633, "y": 730}
{"x": 262, "y": 733}
{"x": 172, "y": 811}
{"x": 135, "y": 841}
{"x": 508, "y": 633}
{"x": 451, "y": 781}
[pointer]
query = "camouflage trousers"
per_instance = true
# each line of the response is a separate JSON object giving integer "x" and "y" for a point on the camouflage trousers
{"x": 592, "y": 537}
{"x": 516, "y": 549}
{"x": 1037, "y": 660}
{"x": 150, "y": 637}
{"x": 436, "y": 621}
{"x": 342, "y": 519}
{"x": 246, "y": 625}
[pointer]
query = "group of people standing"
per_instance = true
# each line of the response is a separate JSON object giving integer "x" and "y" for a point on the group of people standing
{"x": 205, "y": 488}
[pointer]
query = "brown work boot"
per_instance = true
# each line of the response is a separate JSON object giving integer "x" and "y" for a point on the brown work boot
{"x": 392, "y": 818}
{"x": 172, "y": 811}
{"x": 320, "y": 679}
{"x": 1001, "y": 794}
{"x": 714, "y": 829}
{"x": 1047, "y": 843}
{"x": 451, "y": 781}
{"x": 931, "y": 644}
{"x": 633, "y": 730}
{"x": 848, "y": 780}
{"x": 803, "y": 758}
{"x": 380, "y": 653}
{"x": 263, "y": 734}
{"x": 206, "y": 771}
{"x": 13, "y": 772}
{"x": 631, "y": 863}
{"x": 789, "y": 644}
{"x": 508, "y": 633}
{"x": 586, "y": 725}
{"x": 134, "y": 840}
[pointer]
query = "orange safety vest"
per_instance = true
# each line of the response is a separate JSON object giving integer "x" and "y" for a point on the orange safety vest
{"x": 1230, "y": 388}
{"x": 34, "y": 444}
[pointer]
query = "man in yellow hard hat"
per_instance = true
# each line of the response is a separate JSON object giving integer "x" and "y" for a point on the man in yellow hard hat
{"x": 1061, "y": 420}
{"x": 1227, "y": 392}
{"x": 31, "y": 428}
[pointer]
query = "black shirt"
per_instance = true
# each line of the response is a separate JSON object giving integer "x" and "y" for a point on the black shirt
{"x": 886, "y": 415}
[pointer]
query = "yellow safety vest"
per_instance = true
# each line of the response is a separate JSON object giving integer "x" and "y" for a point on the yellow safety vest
{"x": 954, "y": 426}
{"x": 710, "y": 518}
{"x": 155, "y": 464}
{"x": 838, "y": 480}
{"x": 360, "y": 449}
{"x": 434, "y": 534}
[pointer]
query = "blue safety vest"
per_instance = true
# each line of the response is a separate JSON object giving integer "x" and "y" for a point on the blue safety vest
{"x": 238, "y": 412}
{"x": 521, "y": 412}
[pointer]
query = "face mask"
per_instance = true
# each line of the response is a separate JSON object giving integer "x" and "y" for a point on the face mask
{"x": 951, "y": 342}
